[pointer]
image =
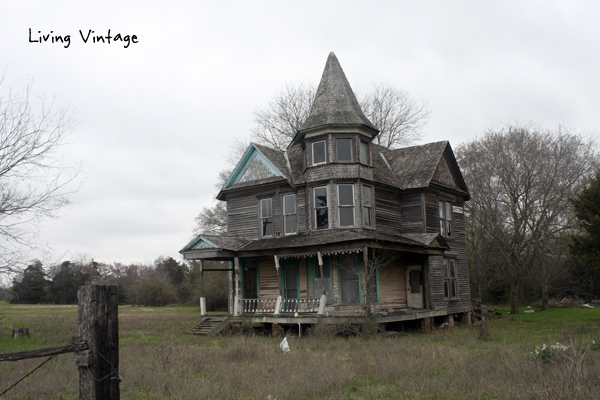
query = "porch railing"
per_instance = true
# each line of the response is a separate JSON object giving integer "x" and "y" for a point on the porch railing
{"x": 279, "y": 305}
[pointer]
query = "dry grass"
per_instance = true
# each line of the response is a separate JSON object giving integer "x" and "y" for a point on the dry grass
{"x": 159, "y": 361}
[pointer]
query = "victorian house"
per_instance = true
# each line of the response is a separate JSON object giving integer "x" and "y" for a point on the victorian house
{"x": 336, "y": 226}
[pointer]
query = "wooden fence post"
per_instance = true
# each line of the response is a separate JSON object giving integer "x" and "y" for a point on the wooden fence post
{"x": 99, "y": 329}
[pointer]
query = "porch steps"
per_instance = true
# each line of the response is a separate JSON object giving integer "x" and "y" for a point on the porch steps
{"x": 210, "y": 326}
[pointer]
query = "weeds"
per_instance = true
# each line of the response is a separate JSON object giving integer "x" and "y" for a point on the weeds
{"x": 158, "y": 360}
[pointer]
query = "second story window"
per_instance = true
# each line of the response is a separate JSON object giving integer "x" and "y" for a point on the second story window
{"x": 445, "y": 218}
{"x": 266, "y": 217}
{"x": 364, "y": 153}
{"x": 319, "y": 152}
{"x": 289, "y": 214}
{"x": 367, "y": 198}
{"x": 343, "y": 149}
{"x": 346, "y": 204}
{"x": 321, "y": 208}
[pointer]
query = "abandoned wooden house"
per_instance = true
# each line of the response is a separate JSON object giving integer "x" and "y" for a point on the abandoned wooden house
{"x": 336, "y": 227}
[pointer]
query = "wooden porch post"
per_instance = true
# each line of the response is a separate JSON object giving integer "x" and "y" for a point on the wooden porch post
{"x": 202, "y": 298}
{"x": 320, "y": 258}
{"x": 236, "y": 273}
{"x": 278, "y": 275}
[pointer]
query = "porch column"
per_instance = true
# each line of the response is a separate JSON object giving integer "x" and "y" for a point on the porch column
{"x": 202, "y": 298}
{"x": 236, "y": 273}
{"x": 278, "y": 274}
{"x": 320, "y": 258}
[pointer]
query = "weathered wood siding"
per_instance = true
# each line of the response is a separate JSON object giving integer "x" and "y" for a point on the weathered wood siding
{"x": 388, "y": 216}
{"x": 392, "y": 285}
{"x": 412, "y": 212}
{"x": 432, "y": 213}
{"x": 267, "y": 278}
{"x": 242, "y": 216}
{"x": 435, "y": 283}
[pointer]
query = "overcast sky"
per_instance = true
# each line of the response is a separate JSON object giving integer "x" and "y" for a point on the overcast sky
{"x": 156, "y": 119}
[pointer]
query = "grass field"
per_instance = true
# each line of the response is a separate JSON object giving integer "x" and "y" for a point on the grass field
{"x": 159, "y": 361}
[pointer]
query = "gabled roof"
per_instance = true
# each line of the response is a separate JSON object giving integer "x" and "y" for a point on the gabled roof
{"x": 259, "y": 164}
{"x": 215, "y": 242}
{"x": 416, "y": 166}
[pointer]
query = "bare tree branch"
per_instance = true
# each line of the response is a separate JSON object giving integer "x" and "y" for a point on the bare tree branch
{"x": 34, "y": 183}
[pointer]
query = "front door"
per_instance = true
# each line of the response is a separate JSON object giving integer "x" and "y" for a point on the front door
{"x": 250, "y": 280}
{"x": 414, "y": 287}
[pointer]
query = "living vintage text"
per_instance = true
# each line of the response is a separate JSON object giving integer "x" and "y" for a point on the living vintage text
{"x": 88, "y": 36}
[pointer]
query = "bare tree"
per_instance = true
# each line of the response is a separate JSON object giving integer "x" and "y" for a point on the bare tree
{"x": 399, "y": 117}
{"x": 34, "y": 183}
{"x": 520, "y": 178}
{"x": 276, "y": 124}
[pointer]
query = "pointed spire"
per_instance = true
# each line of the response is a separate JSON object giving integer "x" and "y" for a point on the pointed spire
{"x": 335, "y": 103}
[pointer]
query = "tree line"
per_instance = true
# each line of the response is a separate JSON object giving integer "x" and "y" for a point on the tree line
{"x": 165, "y": 282}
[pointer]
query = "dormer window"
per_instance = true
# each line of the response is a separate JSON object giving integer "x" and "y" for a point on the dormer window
{"x": 364, "y": 153}
{"x": 343, "y": 149}
{"x": 266, "y": 217}
{"x": 319, "y": 153}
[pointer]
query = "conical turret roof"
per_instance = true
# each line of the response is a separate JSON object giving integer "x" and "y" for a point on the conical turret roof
{"x": 335, "y": 102}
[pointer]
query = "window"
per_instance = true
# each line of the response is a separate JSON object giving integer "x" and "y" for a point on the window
{"x": 450, "y": 282}
{"x": 343, "y": 149}
{"x": 346, "y": 204}
{"x": 266, "y": 216}
{"x": 445, "y": 218}
{"x": 319, "y": 152}
{"x": 289, "y": 214}
{"x": 364, "y": 153}
{"x": 349, "y": 273}
{"x": 321, "y": 208}
{"x": 367, "y": 198}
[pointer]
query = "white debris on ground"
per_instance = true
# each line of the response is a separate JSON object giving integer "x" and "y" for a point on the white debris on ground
{"x": 528, "y": 311}
{"x": 586, "y": 305}
{"x": 284, "y": 345}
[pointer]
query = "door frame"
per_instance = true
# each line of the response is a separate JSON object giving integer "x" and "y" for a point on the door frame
{"x": 409, "y": 268}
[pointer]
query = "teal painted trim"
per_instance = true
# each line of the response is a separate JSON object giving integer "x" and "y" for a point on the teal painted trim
{"x": 249, "y": 155}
